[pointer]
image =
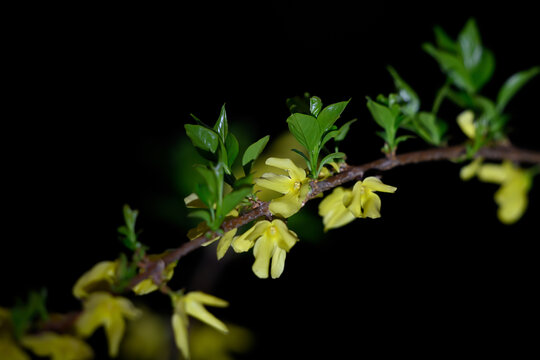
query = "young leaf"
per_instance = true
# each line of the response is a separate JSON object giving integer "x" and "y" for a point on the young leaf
{"x": 254, "y": 150}
{"x": 315, "y": 105}
{"x": 382, "y": 115}
{"x": 302, "y": 155}
{"x": 328, "y": 116}
{"x": 205, "y": 194}
{"x": 453, "y": 66}
{"x": 329, "y": 158}
{"x": 428, "y": 127}
{"x": 202, "y": 137}
{"x": 209, "y": 177}
{"x": 470, "y": 45}
{"x": 231, "y": 144}
{"x": 221, "y": 126}
{"x": 343, "y": 130}
{"x": 444, "y": 41}
{"x": 202, "y": 214}
{"x": 513, "y": 84}
{"x": 305, "y": 129}
{"x": 232, "y": 199}
{"x": 406, "y": 93}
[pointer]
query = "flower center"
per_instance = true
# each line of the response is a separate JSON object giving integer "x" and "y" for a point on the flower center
{"x": 297, "y": 185}
{"x": 272, "y": 230}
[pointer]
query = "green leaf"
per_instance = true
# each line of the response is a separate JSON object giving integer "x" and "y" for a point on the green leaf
{"x": 302, "y": 155}
{"x": 129, "y": 236}
{"x": 205, "y": 194}
{"x": 406, "y": 93}
{"x": 231, "y": 144}
{"x": 328, "y": 158}
{"x": 299, "y": 104}
{"x": 470, "y": 45}
{"x": 202, "y": 137}
{"x": 513, "y": 85}
{"x": 428, "y": 127}
{"x": 208, "y": 176}
{"x": 343, "y": 130}
{"x": 444, "y": 41}
{"x": 315, "y": 105}
{"x": 254, "y": 150}
{"x": 329, "y": 115}
{"x": 482, "y": 72}
{"x": 221, "y": 126}
{"x": 232, "y": 199}
{"x": 202, "y": 214}
{"x": 305, "y": 129}
{"x": 24, "y": 313}
{"x": 382, "y": 115}
{"x": 453, "y": 66}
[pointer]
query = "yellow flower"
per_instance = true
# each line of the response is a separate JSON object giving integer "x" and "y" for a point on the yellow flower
{"x": 343, "y": 205}
{"x": 294, "y": 186}
{"x": 465, "y": 121}
{"x": 100, "y": 277}
{"x": 10, "y": 350}
{"x": 147, "y": 338}
{"x": 271, "y": 241}
{"x": 147, "y": 285}
{"x": 363, "y": 202}
{"x": 471, "y": 170}
{"x": 104, "y": 309}
{"x": 209, "y": 344}
{"x": 332, "y": 210}
{"x": 512, "y": 195}
{"x": 58, "y": 347}
{"x": 192, "y": 304}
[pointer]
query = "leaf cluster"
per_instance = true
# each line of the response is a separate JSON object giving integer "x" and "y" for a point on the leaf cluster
{"x": 221, "y": 148}
{"x": 24, "y": 313}
{"x": 314, "y": 126}
{"x": 468, "y": 66}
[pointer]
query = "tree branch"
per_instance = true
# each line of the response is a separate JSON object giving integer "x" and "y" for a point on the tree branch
{"x": 350, "y": 173}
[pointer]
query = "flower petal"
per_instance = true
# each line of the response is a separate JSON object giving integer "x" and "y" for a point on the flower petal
{"x": 281, "y": 184}
{"x": 493, "y": 173}
{"x": 354, "y": 202}
{"x": 286, "y": 206}
{"x": 371, "y": 204}
{"x": 262, "y": 251}
{"x": 225, "y": 243}
{"x": 65, "y": 347}
{"x": 287, "y": 238}
{"x": 114, "y": 329}
{"x": 375, "y": 184}
{"x": 100, "y": 275}
{"x": 334, "y": 213}
{"x": 465, "y": 121}
{"x": 198, "y": 311}
{"x": 469, "y": 171}
{"x": 180, "y": 328}
{"x": 246, "y": 241}
{"x": 278, "y": 262}
{"x": 287, "y": 164}
{"x": 205, "y": 299}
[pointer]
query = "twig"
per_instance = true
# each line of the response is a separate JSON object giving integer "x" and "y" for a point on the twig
{"x": 350, "y": 173}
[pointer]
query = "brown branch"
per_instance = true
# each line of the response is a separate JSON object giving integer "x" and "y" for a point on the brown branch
{"x": 350, "y": 173}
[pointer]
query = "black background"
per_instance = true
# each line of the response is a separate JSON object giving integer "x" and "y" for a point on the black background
{"x": 97, "y": 97}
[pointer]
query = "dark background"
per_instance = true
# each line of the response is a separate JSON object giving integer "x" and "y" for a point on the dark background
{"x": 95, "y": 103}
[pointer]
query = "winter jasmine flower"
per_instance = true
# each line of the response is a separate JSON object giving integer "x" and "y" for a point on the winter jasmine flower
{"x": 294, "y": 186}
{"x": 270, "y": 241}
